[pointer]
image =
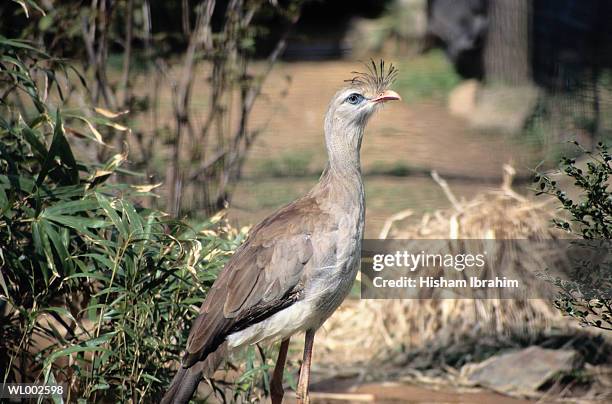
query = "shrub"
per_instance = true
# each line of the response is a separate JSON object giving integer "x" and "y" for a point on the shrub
{"x": 587, "y": 295}
{"x": 96, "y": 292}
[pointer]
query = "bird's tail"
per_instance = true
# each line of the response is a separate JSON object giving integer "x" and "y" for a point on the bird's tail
{"x": 183, "y": 386}
{"x": 186, "y": 380}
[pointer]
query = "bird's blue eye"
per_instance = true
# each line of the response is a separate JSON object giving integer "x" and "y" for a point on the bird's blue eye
{"x": 354, "y": 98}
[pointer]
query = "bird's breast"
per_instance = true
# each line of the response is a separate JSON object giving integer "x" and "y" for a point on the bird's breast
{"x": 335, "y": 266}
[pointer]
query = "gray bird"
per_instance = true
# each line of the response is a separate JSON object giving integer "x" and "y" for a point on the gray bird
{"x": 297, "y": 265}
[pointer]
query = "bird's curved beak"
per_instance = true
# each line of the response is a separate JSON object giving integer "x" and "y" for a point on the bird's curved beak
{"x": 388, "y": 95}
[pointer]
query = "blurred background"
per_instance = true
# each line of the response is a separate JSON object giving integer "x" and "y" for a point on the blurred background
{"x": 218, "y": 106}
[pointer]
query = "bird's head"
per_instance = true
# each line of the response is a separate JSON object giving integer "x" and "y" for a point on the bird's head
{"x": 352, "y": 106}
{"x": 364, "y": 93}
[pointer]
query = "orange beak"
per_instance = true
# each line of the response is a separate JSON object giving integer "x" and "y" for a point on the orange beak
{"x": 388, "y": 95}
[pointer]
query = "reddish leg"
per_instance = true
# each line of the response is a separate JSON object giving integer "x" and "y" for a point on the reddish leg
{"x": 276, "y": 384}
{"x": 302, "y": 387}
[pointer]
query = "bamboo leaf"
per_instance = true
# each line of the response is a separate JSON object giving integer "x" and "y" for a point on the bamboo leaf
{"x": 36, "y": 144}
{"x": 134, "y": 218}
{"x": 57, "y": 399}
{"x": 115, "y": 161}
{"x": 3, "y": 283}
{"x": 88, "y": 346}
{"x": 108, "y": 114}
{"x": 60, "y": 248}
{"x": 101, "y": 258}
{"x": 32, "y": 4}
{"x": 78, "y": 223}
{"x": 16, "y": 43}
{"x": 40, "y": 249}
{"x": 97, "y": 136}
{"x": 117, "y": 126}
{"x": 71, "y": 207}
{"x": 59, "y": 148}
{"x": 112, "y": 214}
{"x": 92, "y": 275}
{"x": 4, "y": 202}
{"x": 146, "y": 188}
{"x": 23, "y": 6}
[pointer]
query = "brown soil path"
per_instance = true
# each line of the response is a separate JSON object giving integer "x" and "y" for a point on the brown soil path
{"x": 340, "y": 391}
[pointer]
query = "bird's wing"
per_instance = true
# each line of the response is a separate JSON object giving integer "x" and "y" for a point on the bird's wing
{"x": 261, "y": 278}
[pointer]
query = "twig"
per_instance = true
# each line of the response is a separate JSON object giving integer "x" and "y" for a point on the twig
{"x": 508, "y": 176}
{"x": 127, "y": 56}
{"x": 201, "y": 35}
{"x": 248, "y": 101}
{"x": 447, "y": 191}
{"x": 384, "y": 233}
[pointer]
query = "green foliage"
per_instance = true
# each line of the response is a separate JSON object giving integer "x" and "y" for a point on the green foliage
{"x": 428, "y": 76}
{"x": 587, "y": 295}
{"x": 96, "y": 292}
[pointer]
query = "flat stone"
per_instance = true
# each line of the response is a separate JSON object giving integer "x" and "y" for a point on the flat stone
{"x": 521, "y": 372}
{"x": 503, "y": 108}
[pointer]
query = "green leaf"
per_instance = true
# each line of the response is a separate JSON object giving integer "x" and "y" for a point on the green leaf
{"x": 104, "y": 260}
{"x": 57, "y": 399}
{"x": 41, "y": 248}
{"x": 100, "y": 386}
{"x": 32, "y": 4}
{"x": 79, "y": 223}
{"x": 3, "y": 284}
{"x": 92, "y": 275}
{"x": 151, "y": 378}
{"x": 90, "y": 346}
{"x": 60, "y": 248}
{"x": 59, "y": 148}
{"x": 4, "y": 202}
{"x": 34, "y": 141}
{"x": 63, "y": 192}
{"x": 92, "y": 308}
{"x": 112, "y": 214}
{"x": 17, "y": 183}
{"x": 16, "y": 43}
{"x": 45, "y": 23}
{"x": 62, "y": 311}
{"x": 96, "y": 135}
{"x": 134, "y": 218}
{"x": 71, "y": 207}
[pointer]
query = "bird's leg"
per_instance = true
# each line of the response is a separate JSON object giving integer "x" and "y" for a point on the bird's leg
{"x": 276, "y": 384}
{"x": 302, "y": 387}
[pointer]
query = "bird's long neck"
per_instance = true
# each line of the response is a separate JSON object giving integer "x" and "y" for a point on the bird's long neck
{"x": 342, "y": 176}
{"x": 343, "y": 144}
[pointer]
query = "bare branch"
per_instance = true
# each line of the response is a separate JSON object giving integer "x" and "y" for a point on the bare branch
{"x": 201, "y": 36}
{"x": 127, "y": 55}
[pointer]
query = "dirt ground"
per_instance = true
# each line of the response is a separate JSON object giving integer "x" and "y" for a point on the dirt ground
{"x": 404, "y": 393}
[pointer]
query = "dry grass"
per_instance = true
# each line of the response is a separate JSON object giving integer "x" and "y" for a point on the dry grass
{"x": 375, "y": 330}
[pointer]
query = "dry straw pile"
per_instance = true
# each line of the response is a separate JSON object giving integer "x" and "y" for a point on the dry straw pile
{"x": 445, "y": 330}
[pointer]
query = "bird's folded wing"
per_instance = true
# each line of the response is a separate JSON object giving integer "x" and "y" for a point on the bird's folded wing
{"x": 263, "y": 277}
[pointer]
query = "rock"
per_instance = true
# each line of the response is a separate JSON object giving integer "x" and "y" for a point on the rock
{"x": 462, "y": 99}
{"x": 504, "y": 108}
{"x": 521, "y": 372}
{"x": 496, "y": 108}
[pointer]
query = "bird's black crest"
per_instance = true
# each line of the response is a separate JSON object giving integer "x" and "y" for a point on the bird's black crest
{"x": 377, "y": 77}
